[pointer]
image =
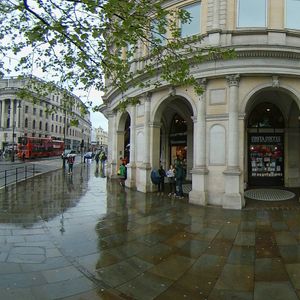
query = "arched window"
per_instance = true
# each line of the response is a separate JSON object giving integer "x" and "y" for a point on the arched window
{"x": 41, "y": 125}
{"x": 178, "y": 125}
{"x": 26, "y": 123}
{"x": 178, "y": 137}
{"x": 33, "y": 124}
{"x": 46, "y": 127}
{"x": 52, "y": 128}
{"x": 266, "y": 115}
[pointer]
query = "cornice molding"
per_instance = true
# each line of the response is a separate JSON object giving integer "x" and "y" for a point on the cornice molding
{"x": 267, "y": 53}
{"x": 242, "y": 52}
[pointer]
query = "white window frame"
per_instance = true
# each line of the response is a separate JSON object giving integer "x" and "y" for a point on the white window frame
{"x": 200, "y": 13}
{"x": 162, "y": 37}
{"x": 286, "y": 18}
{"x": 251, "y": 26}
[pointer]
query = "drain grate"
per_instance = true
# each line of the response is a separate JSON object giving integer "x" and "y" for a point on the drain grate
{"x": 269, "y": 194}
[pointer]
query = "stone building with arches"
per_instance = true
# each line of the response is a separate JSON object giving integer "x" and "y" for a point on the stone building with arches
{"x": 243, "y": 130}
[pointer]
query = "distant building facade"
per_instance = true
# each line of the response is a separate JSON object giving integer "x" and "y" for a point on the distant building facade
{"x": 21, "y": 117}
{"x": 100, "y": 138}
{"x": 244, "y": 130}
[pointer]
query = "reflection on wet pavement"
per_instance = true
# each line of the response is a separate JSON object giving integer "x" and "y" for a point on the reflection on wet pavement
{"x": 85, "y": 237}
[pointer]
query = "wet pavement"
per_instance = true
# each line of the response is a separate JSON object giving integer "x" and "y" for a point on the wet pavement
{"x": 85, "y": 237}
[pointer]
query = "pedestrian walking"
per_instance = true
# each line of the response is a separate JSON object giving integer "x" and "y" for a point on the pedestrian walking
{"x": 97, "y": 158}
{"x": 70, "y": 161}
{"x": 102, "y": 158}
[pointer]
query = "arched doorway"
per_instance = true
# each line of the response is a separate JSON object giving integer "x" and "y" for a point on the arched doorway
{"x": 126, "y": 146}
{"x": 266, "y": 145}
{"x": 175, "y": 128}
{"x": 123, "y": 137}
{"x": 178, "y": 138}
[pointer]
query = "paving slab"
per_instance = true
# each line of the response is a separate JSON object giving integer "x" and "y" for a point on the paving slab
{"x": 82, "y": 236}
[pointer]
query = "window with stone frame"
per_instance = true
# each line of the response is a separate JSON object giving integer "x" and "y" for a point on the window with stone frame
{"x": 252, "y": 13}
{"x": 157, "y": 37}
{"x": 193, "y": 26}
{"x": 292, "y": 9}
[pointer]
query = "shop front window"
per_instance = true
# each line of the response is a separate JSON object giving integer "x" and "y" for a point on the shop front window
{"x": 266, "y": 159}
{"x": 266, "y": 146}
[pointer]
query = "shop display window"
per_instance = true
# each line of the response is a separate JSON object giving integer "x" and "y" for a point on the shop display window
{"x": 266, "y": 158}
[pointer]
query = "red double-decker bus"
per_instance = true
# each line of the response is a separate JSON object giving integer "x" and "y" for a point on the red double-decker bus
{"x": 31, "y": 147}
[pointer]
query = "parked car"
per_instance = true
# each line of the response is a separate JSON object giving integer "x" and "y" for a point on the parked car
{"x": 67, "y": 152}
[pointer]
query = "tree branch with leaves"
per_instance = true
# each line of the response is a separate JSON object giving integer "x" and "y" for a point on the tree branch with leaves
{"x": 79, "y": 42}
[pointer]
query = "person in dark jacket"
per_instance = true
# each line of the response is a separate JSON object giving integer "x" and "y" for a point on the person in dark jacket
{"x": 179, "y": 175}
{"x": 161, "y": 183}
{"x": 70, "y": 160}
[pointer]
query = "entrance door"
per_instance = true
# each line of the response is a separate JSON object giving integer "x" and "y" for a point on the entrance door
{"x": 178, "y": 138}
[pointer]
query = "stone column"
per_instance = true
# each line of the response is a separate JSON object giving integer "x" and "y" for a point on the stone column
{"x": 12, "y": 119}
{"x": 1, "y": 108}
{"x": 111, "y": 155}
{"x": 18, "y": 113}
{"x": 131, "y": 167}
{"x": 147, "y": 129}
{"x": 4, "y": 114}
{"x": 232, "y": 197}
{"x": 145, "y": 184}
{"x": 198, "y": 194}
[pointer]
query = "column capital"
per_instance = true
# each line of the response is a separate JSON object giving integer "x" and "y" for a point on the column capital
{"x": 155, "y": 124}
{"x": 233, "y": 80}
{"x": 147, "y": 96}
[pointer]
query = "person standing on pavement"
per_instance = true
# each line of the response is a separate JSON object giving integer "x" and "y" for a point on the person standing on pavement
{"x": 102, "y": 159}
{"x": 161, "y": 182}
{"x": 179, "y": 175}
{"x": 122, "y": 174}
{"x": 171, "y": 176}
{"x": 70, "y": 160}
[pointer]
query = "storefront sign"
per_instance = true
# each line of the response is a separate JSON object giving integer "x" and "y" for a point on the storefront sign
{"x": 267, "y": 139}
